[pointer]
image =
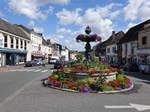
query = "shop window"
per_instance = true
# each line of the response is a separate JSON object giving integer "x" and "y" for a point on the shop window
{"x": 12, "y": 42}
{"x": 17, "y": 43}
{"x": 21, "y": 42}
{"x": 25, "y": 45}
{"x": 144, "y": 40}
{"x": 5, "y": 41}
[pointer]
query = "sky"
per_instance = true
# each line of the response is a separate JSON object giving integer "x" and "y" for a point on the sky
{"x": 62, "y": 20}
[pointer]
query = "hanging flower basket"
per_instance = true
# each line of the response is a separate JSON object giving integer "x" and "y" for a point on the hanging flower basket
{"x": 88, "y": 38}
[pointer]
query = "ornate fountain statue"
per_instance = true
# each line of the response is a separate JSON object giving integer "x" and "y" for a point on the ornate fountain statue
{"x": 88, "y": 38}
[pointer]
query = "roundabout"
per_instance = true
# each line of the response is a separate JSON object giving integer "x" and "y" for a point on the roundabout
{"x": 89, "y": 75}
{"x": 94, "y": 78}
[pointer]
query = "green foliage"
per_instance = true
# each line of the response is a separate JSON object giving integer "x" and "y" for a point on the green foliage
{"x": 106, "y": 88}
{"x": 120, "y": 71}
{"x": 121, "y": 80}
{"x": 79, "y": 57}
{"x": 120, "y": 77}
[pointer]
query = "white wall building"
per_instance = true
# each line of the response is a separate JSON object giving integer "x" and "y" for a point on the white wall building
{"x": 111, "y": 54}
{"x": 129, "y": 51}
{"x": 143, "y": 51}
{"x": 39, "y": 49}
{"x": 65, "y": 53}
{"x": 14, "y": 44}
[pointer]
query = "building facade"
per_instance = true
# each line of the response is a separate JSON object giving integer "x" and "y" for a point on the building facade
{"x": 39, "y": 48}
{"x": 143, "y": 50}
{"x": 65, "y": 53}
{"x": 14, "y": 44}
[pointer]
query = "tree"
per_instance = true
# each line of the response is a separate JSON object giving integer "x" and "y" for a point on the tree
{"x": 79, "y": 57}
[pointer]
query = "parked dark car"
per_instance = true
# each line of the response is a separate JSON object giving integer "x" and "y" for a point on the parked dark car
{"x": 132, "y": 67}
{"x": 116, "y": 65}
{"x": 58, "y": 64}
{"x": 34, "y": 63}
{"x": 31, "y": 63}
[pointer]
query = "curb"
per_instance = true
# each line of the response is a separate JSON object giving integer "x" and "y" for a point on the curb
{"x": 105, "y": 92}
{"x": 4, "y": 69}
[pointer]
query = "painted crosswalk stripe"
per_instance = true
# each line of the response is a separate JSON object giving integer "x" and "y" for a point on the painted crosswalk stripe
{"x": 44, "y": 71}
{"x": 37, "y": 70}
{"x": 30, "y": 70}
{"x": 12, "y": 70}
{"x": 22, "y": 70}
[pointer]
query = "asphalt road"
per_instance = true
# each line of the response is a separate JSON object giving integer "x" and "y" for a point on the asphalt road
{"x": 37, "y": 98}
{"x": 12, "y": 80}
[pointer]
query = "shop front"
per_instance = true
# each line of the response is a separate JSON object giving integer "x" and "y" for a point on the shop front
{"x": 38, "y": 56}
{"x": 12, "y": 56}
{"x": 144, "y": 56}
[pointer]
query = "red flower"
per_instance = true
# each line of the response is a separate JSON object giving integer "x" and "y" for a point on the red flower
{"x": 115, "y": 83}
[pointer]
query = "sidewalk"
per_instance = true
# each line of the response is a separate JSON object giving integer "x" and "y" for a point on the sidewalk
{"x": 6, "y": 68}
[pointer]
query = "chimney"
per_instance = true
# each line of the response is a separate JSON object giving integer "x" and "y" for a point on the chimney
{"x": 49, "y": 41}
{"x": 113, "y": 32}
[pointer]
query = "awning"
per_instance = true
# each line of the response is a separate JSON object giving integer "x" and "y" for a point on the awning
{"x": 38, "y": 55}
{"x": 5, "y": 50}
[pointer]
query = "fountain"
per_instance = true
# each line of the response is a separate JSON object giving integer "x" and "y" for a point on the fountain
{"x": 89, "y": 75}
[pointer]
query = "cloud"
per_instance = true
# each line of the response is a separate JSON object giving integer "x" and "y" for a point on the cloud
{"x": 68, "y": 17}
{"x": 64, "y": 31}
{"x": 31, "y": 8}
{"x": 1, "y": 14}
{"x": 32, "y": 25}
{"x": 99, "y": 18}
{"x": 137, "y": 9}
{"x": 56, "y": 38}
{"x": 38, "y": 29}
{"x": 74, "y": 45}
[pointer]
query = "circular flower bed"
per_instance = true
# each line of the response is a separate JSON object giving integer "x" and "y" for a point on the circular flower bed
{"x": 97, "y": 78}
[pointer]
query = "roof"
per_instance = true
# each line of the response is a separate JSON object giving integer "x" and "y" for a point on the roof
{"x": 11, "y": 28}
{"x": 115, "y": 38}
{"x": 29, "y": 31}
{"x": 132, "y": 33}
{"x": 44, "y": 42}
{"x": 25, "y": 28}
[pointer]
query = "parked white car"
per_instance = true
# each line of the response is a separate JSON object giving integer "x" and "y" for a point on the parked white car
{"x": 53, "y": 60}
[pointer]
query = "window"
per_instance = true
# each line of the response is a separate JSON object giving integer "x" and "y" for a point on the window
{"x": 17, "y": 44}
{"x": 5, "y": 41}
{"x": 25, "y": 45}
{"x": 114, "y": 50}
{"x": 108, "y": 50}
{"x": 21, "y": 42}
{"x": 144, "y": 40}
{"x": 132, "y": 50}
{"x": 12, "y": 42}
{"x": 126, "y": 49}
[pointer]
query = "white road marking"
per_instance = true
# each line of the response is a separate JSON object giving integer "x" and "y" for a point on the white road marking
{"x": 44, "y": 71}
{"x": 138, "y": 107}
{"x": 37, "y": 70}
{"x": 30, "y": 70}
